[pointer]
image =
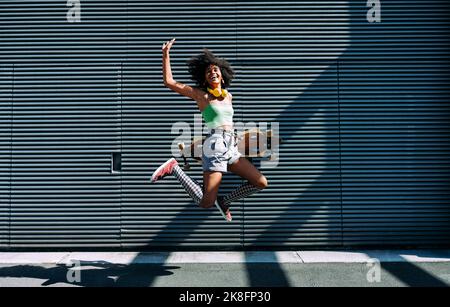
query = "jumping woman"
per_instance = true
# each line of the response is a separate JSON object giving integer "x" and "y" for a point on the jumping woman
{"x": 220, "y": 154}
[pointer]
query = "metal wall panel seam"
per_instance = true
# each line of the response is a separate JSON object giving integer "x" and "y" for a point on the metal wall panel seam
{"x": 340, "y": 151}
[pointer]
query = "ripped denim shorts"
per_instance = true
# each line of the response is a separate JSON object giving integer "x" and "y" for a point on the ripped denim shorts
{"x": 220, "y": 150}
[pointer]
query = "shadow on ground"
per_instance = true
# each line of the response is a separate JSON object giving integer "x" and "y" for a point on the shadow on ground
{"x": 94, "y": 274}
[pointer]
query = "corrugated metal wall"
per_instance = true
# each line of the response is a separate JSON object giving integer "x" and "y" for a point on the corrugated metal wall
{"x": 289, "y": 51}
{"x": 6, "y": 73}
{"x": 362, "y": 108}
{"x": 394, "y": 127}
{"x": 161, "y": 214}
{"x": 66, "y": 126}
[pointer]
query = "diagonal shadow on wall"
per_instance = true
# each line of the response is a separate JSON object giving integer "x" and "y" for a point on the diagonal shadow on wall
{"x": 414, "y": 276}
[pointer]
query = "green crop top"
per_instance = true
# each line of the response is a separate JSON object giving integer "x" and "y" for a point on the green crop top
{"x": 218, "y": 114}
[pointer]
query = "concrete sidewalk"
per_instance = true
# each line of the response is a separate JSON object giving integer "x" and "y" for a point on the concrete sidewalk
{"x": 228, "y": 257}
{"x": 401, "y": 268}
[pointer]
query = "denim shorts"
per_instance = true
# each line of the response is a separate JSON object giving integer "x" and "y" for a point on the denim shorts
{"x": 220, "y": 150}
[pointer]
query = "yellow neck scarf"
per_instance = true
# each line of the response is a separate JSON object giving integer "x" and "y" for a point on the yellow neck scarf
{"x": 217, "y": 92}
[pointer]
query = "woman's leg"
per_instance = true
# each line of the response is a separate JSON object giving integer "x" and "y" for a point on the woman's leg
{"x": 211, "y": 183}
{"x": 256, "y": 181}
{"x": 190, "y": 185}
{"x": 205, "y": 197}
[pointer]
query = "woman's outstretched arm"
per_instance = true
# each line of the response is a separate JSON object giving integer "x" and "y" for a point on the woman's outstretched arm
{"x": 183, "y": 89}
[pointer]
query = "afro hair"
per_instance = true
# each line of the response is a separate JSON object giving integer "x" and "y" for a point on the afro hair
{"x": 199, "y": 63}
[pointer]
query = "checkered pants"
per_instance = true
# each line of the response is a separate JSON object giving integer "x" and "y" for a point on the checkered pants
{"x": 195, "y": 190}
{"x": 242, "y": 191}
{"x": 192, "y": 187}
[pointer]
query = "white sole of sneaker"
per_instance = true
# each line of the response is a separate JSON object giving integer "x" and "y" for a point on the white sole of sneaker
{"x": 160, "y": 168}
{"x": 221, "y": 212}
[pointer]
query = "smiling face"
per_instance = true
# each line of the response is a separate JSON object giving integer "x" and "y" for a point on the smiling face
{"x": 213, "y": 76}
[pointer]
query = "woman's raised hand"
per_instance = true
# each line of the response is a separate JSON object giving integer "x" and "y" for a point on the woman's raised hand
{"x": 167, "y": 45}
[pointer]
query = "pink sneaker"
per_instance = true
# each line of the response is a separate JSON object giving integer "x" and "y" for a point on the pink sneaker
{"x": 224, "y": 209}
{"x": 164, "y": 170}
